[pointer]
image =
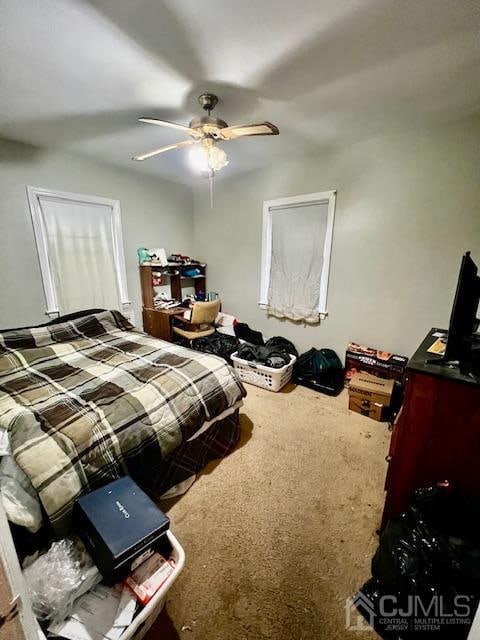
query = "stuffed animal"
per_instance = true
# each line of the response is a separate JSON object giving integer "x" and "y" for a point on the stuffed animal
{"x": 143, "y": 255}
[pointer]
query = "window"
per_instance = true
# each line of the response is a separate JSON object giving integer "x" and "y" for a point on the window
{"x": 80, "y": 249}
{"x": 297, "y": 241}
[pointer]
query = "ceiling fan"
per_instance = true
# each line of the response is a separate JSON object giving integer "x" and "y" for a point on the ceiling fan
{"x": 205, "y": 132}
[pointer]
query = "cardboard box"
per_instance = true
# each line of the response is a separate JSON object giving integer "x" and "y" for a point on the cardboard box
{"x": 367, "y": 408}
{"x": 147, "y": 578}
{"x": 368, "y": 387}
{"x": 119, "y": 525}
{"x": 361, "y": 359}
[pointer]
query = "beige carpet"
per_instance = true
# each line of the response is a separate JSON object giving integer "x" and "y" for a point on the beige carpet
{"x": 280, "y": 533}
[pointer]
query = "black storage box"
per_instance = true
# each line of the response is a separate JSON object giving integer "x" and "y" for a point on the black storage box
{"x": 119, "y": 525}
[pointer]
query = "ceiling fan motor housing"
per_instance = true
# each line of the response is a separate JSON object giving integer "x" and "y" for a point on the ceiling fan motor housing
{"x": 208, "y": 124}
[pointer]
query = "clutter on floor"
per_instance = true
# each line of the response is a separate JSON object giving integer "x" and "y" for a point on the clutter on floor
{"x": 371, "y": 396}
{"x": 95, "y": 586}
{"x": 320, "y": 370}
{"x": 361, "y": 359}
{"x": 243, "y": 332}
{"x": 119, "y": 524}
{"x": 427, "y": 567}
{"x": 291, "y": 442}
{"x": 148, "y": 577}
{"x": 225, "y": 323}
{"x": 282, "y": 344}
{"x": 103, "y": 613}
{"x": 269, "y": 356}
{"x": 271, "y": 378}
{"x": 58, "y": 577}
{"x": 271, "y": 364}
{"x": 218, "y": 344}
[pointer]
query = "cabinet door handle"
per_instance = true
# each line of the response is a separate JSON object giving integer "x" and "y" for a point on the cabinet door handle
{"x": 388, "y": 458}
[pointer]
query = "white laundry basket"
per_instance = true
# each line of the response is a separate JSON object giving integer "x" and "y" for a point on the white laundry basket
{"x": 147, "y": 616}
{"x": 262, "y": 376}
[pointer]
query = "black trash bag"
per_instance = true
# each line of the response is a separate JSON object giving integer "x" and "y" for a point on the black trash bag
{"x": 268, "y": 356}
{"x": 282, "y": 344}
{"x": 244, "y": 332}
{"x": 450, "y": 510}
{"x": 218, "y": 344}
{"x": 426, "y": 569}
{"x": 181, "y": 342}
{"x": 321, "y": 370}
{"x": 317, "y": 362}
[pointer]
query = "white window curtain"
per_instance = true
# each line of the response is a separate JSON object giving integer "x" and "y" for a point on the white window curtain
{"x": 298, "y": 238}
{"x": 297, "y": 241}
{"x": 80, "y": 245}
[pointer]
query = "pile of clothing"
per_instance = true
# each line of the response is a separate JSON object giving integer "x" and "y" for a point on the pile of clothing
{"x": 274, "y": 353}
{"x": 268, "y": 355}
{"x": 218, "y": 344}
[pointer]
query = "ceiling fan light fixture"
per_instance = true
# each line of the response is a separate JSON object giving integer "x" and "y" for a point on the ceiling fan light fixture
{"x": 207, "y": 157}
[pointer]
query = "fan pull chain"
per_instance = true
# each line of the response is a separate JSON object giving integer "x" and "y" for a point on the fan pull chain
{"x": 211, "y": 189}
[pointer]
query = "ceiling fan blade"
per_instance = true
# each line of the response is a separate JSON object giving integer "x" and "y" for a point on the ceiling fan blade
{"x": 170, "y": 147}
{"x": 171, "y": 125}
{"x": 241, "y": 130}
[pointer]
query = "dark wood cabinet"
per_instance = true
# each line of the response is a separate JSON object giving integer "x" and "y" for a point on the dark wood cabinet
{"x": 436, "y": 436}
{"x": 159, "y": 322}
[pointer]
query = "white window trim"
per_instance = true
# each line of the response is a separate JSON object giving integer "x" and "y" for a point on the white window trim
{"x": 34, "y": 194}
{"x": 269, "y": 207}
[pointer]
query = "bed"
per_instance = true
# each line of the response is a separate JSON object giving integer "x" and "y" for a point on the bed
{"x": 90, "y": 399}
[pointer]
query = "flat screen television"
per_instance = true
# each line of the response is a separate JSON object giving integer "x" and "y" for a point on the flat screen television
{"x": 463, "y": 319}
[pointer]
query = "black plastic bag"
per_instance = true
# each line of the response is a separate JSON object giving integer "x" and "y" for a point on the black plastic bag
{"x": 218, "y": 344}
{"x": 282, "y": 344}
{"x": 427, "y": 567}
{"x": 321, "y": 370}
{"x": 317, "y": 362}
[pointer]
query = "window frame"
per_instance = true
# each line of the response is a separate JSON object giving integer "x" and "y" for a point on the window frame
{"x": 269, "y": 207}
{"x": 34, "y": 195}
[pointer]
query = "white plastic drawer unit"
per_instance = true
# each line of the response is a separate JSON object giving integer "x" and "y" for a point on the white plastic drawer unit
{"x": 14, "y": 594}
{"x": 147, "y": 616}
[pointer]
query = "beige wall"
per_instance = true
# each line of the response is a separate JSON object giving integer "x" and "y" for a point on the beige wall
{"x": 407, "y": 207}
{"x": 154, "y": 213}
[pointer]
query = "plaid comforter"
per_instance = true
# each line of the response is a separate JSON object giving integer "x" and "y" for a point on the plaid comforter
{"x": 90, "y": 400}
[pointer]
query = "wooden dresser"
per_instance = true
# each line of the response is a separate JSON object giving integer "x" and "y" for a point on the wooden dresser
{"x": 436, "y": 436}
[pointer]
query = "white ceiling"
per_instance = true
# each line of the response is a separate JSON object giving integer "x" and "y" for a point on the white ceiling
{"x": 75, "y": 74}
